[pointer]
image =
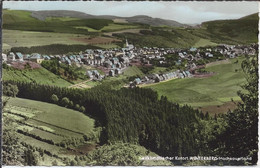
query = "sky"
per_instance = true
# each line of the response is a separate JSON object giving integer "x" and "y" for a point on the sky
{"x": 183, "y": 12}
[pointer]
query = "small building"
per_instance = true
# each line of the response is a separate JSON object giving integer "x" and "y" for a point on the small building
{"x": 35, "y": 57}
{"x": 117, "y": 71}
{"x": 11, "y": 56}
{"x": 137, "y": 81}
{"x": 4, "y": 57}
{"x": 19, "y": 56}
{"x": 89, "y": 74}
{"x": 111, "y": 72}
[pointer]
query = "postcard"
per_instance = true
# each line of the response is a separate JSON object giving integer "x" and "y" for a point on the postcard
{"x": 99, "y": 83}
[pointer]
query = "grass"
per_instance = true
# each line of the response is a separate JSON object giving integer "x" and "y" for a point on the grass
{"x": 47, "y": 135}
{"x": 58, "y": 116}
{"x": 199, "y": 92}
{"x": 133, "y": 71}
{"x": 110, "y": 27}
{"x": 87, "y": 28}
{"x": 59, "y": 125}
{"x": 18, "y": 38}
{"x": 158, "y": 69}
{"x": 41, "y": 76}
{"x": 117, "y": 27}
{"x": 34, "y": 142}
{"x": 204, "y": 42}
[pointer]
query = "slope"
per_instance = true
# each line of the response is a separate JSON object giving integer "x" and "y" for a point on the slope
{"x": 243, "y": 30}
{"x": 41, "y": 76}
{"x": 199, "y": 92}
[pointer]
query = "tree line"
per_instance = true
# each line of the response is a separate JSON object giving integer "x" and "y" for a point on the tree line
{"x": 140, "y": 116}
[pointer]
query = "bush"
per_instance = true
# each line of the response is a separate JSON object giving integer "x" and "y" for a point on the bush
{"x": 82, "y": 109}
{"x": 54, "y": 98}
{"x": 65, "y": 101}
{"x": 10, "y": 89}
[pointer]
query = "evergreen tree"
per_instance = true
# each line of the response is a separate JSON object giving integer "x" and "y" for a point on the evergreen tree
{"x": 242, "y": 130}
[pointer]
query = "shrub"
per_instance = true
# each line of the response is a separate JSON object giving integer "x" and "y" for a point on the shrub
{"x": 54, "y": 98}
{"x": 65, "y": 101}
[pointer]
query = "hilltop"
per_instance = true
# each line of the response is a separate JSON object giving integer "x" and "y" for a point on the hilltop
{"x": 243, "y": 30}
{"x": 105, "y": 31}
{"x": 143, "y": 19}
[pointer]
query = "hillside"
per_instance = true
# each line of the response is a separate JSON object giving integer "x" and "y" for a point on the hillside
{"x": 42, "y": 15}
{"x": 71, "y": 27}
{"x": 243, "y": 30}
{"x": 54, "y": 132}
{"x": 40, "y": 75}
{"x": 202, "y": 92}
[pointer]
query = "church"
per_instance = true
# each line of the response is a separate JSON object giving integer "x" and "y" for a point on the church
{"x": 129, "y": 46}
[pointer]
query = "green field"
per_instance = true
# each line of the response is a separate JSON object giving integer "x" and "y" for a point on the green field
{"x": 133, "y": 71}
{"x": 51, "y": 123}
{"x": 213, "y": 90}
{"x": 204, "y": 42}
{"x": 41, "y": 76}
{"x": 55, "y": 115}
{"x": 18, "y": 38}
{"x": 110, "y": 27}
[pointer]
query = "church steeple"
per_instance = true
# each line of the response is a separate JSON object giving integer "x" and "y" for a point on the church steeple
{"x": 126, "y": 42}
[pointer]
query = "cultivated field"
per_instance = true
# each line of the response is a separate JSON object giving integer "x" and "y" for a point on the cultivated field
{"x": 18, "y": 38}
{"x": 211, "y": 91}
{"x": 56, "y": 130}
{"x": 41, "y": 76}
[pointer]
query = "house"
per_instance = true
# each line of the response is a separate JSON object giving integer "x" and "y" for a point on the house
{"x": 19, "y": 56}
{"x": 46, "y": 57}
{"x": 232, "y": 55}
{"x": 89, "y": 74}
{"x": 108, "y": 64}
{"x": 35, "y": 57}
{"x": 111, "y": 72}
{"x": 11, "y": 56}
{"x": 137, "y": 81}
{"x": 4, "y": 57}
{"x": 192, "y": 49}
{"x": 117, "y": 71}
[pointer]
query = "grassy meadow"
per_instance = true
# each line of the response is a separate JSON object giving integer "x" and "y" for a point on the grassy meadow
{"x": 199, "y": 92}
{"x": 52, "y": 128}
{"x": 41, "y": 76}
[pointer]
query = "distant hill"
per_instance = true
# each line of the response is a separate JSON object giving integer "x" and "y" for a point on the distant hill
{"x": 42, "y": 15}
{"x": 143, "y": 19}
{"x": 243, "y": 30}
{"x": 140, "y": 30}
{"x": 153, "y": 21}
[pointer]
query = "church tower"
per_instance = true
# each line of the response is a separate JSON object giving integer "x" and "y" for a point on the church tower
{"x": 126, "y": 43}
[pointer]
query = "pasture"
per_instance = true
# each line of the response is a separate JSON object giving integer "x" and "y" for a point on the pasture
{"x": 204, "y": 42}
{"x": 18, "y": 38}
{"x": 211, "y": 91}
{"x": 41, "y": 76}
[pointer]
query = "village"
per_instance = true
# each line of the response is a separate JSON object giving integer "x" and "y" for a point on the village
{"x": 113, "y": 62}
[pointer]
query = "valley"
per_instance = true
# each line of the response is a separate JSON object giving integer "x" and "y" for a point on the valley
{"x": 103, "y": 90}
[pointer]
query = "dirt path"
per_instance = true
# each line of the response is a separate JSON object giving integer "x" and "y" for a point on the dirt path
{"x": 81, "y": 85}
{"x": 150, "y": 84}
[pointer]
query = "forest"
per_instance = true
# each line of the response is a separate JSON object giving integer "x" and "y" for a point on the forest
{"x": 140, "y": 116}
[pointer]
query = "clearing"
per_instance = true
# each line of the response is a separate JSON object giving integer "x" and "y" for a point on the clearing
{"x": 204, "y": 42}
{"x": 201, "y": 92}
